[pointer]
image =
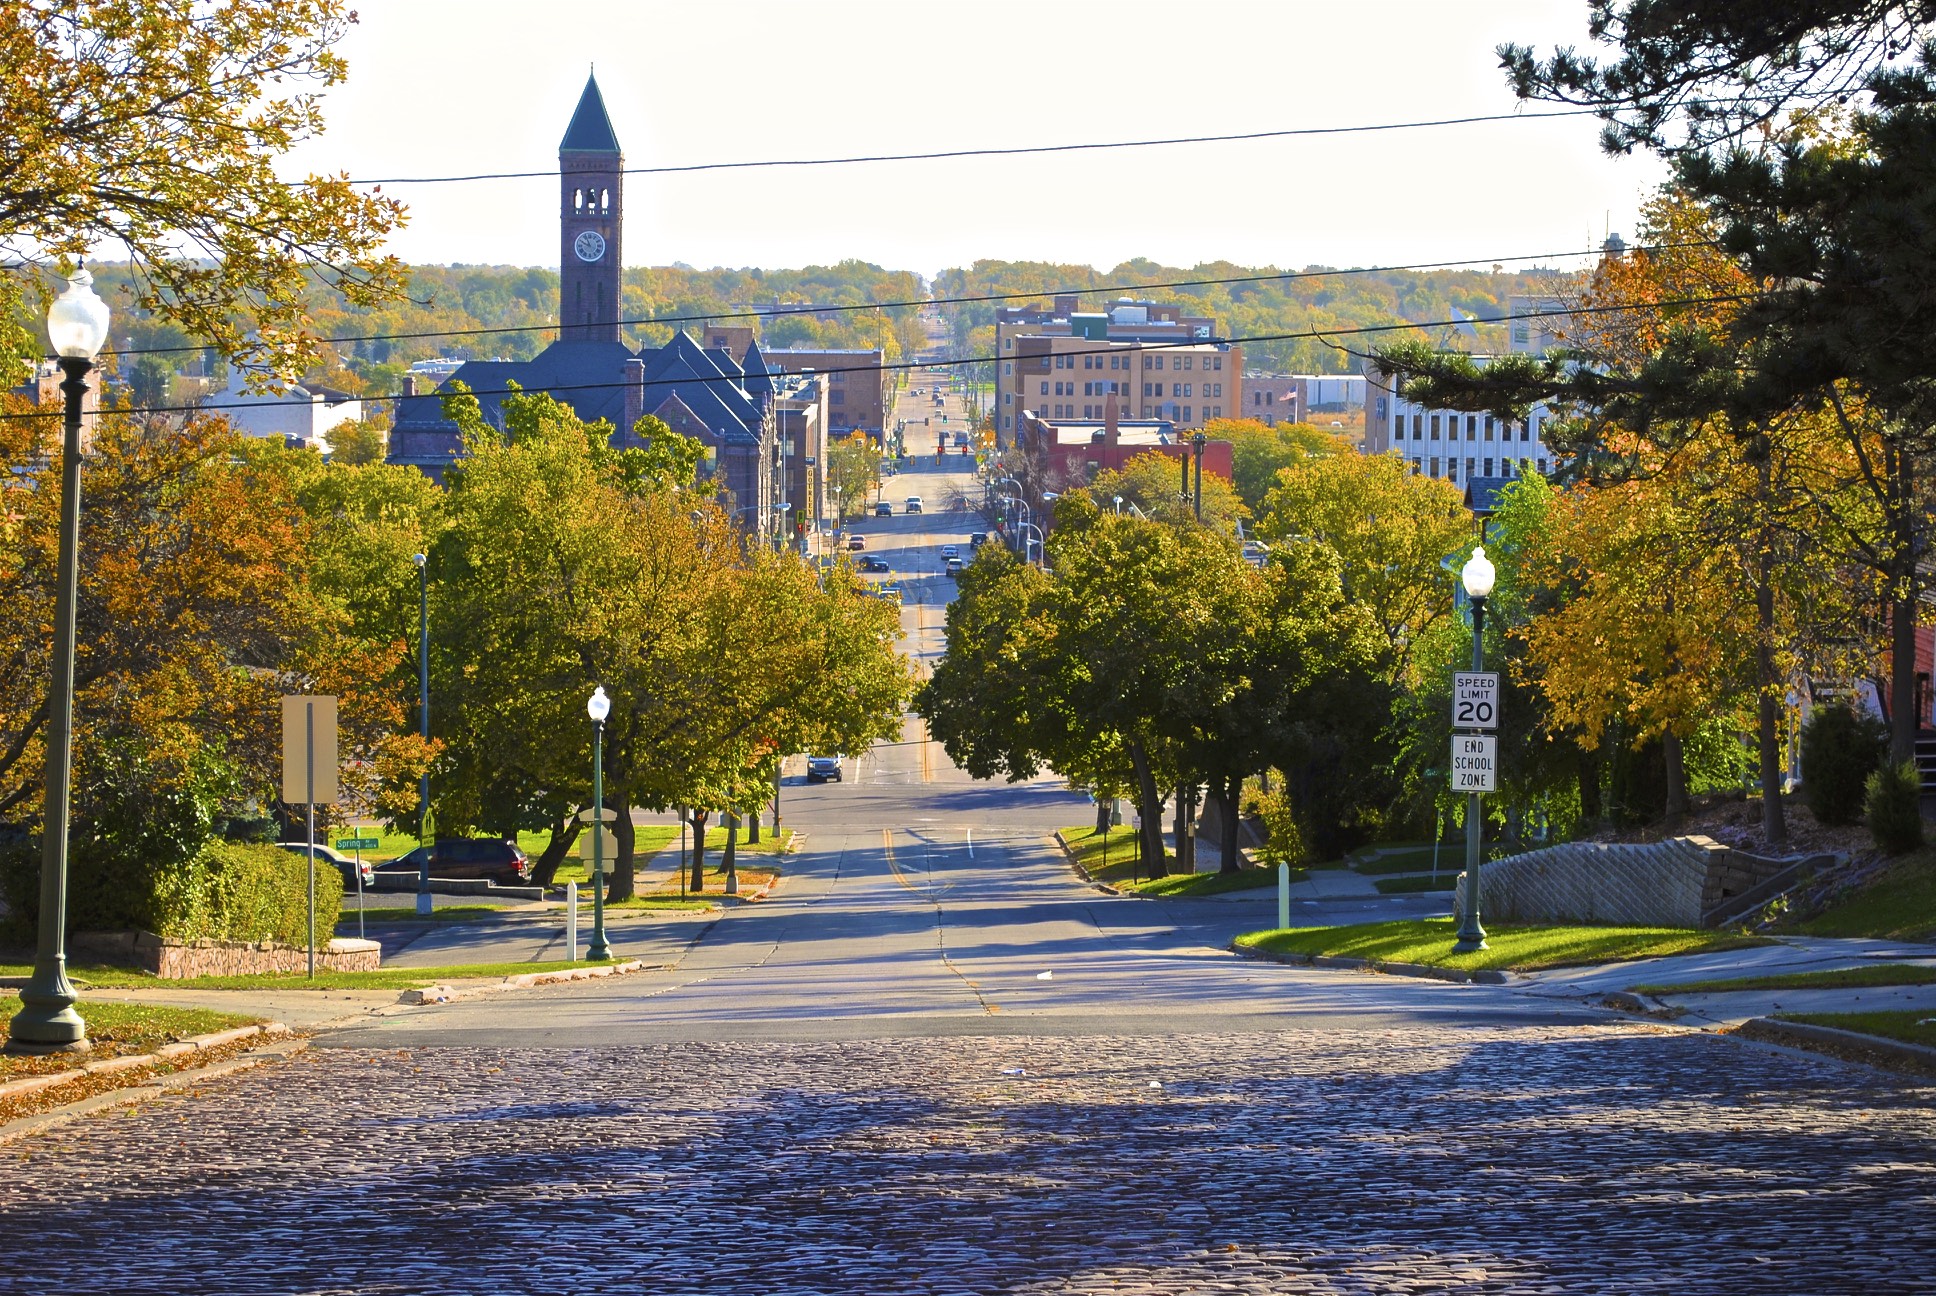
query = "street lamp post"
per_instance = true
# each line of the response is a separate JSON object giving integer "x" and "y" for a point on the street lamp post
{"x": 1119, "y": 505}
{"x": 1477, "y": 576}
{"x": 77, "y": 325}
{"x": 1196, "y": 443}
{"x": 423, "y": 726}
{"x": 1026, "y": 542}
{"x": 598, "y": 706}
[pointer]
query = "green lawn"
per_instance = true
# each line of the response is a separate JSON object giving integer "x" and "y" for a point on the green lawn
{"x": 1125, "y": 875}
{"x": 1854, "y": 978}
{"x": 1904, "y": 1026}
{"x": 1899, "y": 905}
{"x": 1445, "y": 881}
{"x": 396, "y": 913}
{"x": 1510, "y": 947}
{"x": 1117, "y": 847}
{"x": 1417, "y": 859}
{"x": 647, "y": 841}
{"x": 117, "y": 1030}
{"x": 1199, "y": 884}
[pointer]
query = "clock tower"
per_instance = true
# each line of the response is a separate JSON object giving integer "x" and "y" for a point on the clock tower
{"x": 591, "y": 177}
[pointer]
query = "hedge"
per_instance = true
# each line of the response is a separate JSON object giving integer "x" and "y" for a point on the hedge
{"x": 244, "y": 892}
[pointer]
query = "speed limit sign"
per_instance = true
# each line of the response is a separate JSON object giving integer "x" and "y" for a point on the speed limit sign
{"x": 1475, "y": 700}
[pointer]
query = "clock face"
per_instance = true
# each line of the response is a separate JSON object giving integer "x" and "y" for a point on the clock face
{"x": 589, "y": 246}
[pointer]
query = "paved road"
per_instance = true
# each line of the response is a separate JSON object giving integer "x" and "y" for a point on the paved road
{"x": 936, "y": 1063}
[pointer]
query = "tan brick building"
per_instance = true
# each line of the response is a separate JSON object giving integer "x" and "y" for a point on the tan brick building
{"x": 1057, "y": 362}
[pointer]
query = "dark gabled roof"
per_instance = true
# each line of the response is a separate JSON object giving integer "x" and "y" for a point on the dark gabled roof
{"x": 1482, "y": 493}
{"x": 591, "y": 129}
{"x": 587, "y": 376}
{"x": 754, "y": 367}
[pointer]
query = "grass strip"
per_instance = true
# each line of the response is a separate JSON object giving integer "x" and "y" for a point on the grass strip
{"x": 1850, "y": 978}
{"x": 1201, "y": 884}
{"x": 397, "y": 913}
{"x": 1510, "y": 947}
{"x": 1910, "y": 1027}
{"x": 1416, "y": 883}
{"x": 117, "y": 1030}
{"x": 382, "y": 979}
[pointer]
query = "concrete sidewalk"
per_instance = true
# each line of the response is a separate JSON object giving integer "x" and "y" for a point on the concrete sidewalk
{"x": 1789, "y": 954}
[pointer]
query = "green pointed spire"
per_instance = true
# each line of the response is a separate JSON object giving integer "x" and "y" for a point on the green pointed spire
{"x": 591, "y": 129}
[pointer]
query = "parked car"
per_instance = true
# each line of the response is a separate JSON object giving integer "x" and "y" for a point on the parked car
{"x": 949, "y": 551}
{"x": 883, "y": 509}
{"x": 855, "y": 542}
{"x": 491, "y": 858}
{"x": 344, "y": 864}
{"x": 914, "y": 503}
{"x": 873, "y": 564}
{"x": 823, "y": 769}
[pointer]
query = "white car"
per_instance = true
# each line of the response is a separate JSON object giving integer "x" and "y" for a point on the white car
{"x": 949, "y": 551}
{"x": 914, "y": 504}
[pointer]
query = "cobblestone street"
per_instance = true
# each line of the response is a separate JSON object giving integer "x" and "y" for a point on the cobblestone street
{"x": 1606, "y": 1158}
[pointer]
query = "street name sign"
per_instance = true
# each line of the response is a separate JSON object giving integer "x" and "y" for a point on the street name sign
{"x": 358, "y": 843}
{"x": 1475, "y": 763}
{"x": 1475, "y": 700}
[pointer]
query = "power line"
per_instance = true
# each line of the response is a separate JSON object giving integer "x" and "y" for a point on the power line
{"x": 777, "y": 312}
{"x": 1001, "y": 152}
{"x": 1317, "y": 334}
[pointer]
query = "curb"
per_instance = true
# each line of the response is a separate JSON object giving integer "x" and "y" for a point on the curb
{"x": 1845, "y": 1046}
{"x": 1080, "y": 871}
{"x": 445, "y": 994}
{"x": 286, "y": 1044}
{"x": 1342, "y": 963}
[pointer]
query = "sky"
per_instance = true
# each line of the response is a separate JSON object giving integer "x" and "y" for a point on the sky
{"x": 458, "y": 87}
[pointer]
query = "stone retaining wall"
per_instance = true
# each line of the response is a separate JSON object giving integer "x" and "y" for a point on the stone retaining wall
{"x": 179, "y": 960}
{"x": 1678, "y": 882}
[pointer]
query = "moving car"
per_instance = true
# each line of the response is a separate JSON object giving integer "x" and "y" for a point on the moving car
{"x": 892, "y": 592}
{"x": 914, "y": 503}
{"x": 949, "y": 551}
{"x": 952, "y": 566}
{"x": 977, "y": 539}
{"x": 822, "y": 769}
{"x": 873, "y": 564}
{"x": 856, "y": 542}
{"x": 883, "y": 509}
{"x": 344, "y": 864}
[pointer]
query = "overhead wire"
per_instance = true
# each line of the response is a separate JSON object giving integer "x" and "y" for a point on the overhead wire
{"x": 779, "y": 312}
{"x": 1322, "y": 334}
{"x": 1015, "y": 151}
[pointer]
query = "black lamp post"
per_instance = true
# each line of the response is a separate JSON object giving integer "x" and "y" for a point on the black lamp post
{"x": 423, "y": 727}
{"x": 1196, "y": 444}
{"x": 598, "y": 706}
{"x": 1477, "y": 576}
{"x": 77, "y": 325}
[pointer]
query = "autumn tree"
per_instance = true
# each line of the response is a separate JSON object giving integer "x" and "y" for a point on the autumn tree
{"x": 197, "y": 610}
{"x": 155, "y": 130}
{"x": 853, "y": 470}
{"x": 1259, "y": 452}
{"x": 1152, "y": 481}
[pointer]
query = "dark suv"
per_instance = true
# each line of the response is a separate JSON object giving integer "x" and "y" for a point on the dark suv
{"x": 492, "y": 858}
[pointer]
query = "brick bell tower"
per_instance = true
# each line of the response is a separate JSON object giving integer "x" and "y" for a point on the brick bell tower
{"x": 591, "y": 177}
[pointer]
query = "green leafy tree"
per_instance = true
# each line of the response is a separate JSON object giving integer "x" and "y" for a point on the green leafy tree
{"x": 1259, "y": 452}
{"x": 853, "y": 471}
{"x": 359, "y": 441}
{"x": 1153, "y": 483}
{"x": 1391, "y": 530}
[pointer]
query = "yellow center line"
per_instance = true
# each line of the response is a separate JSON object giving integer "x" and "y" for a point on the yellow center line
{"x": 887, "y": 844}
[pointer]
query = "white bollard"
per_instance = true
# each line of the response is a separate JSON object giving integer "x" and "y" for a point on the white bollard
{"x": 1283, "y": 896}
{"x": 571, "y": 918}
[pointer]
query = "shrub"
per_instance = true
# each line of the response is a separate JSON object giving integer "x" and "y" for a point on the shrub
{"x": 1840, "y": 749}
{"x": 245, "y": 892}
{"x": 1285, "y": 842}
{"x": 1894, "y": 807}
